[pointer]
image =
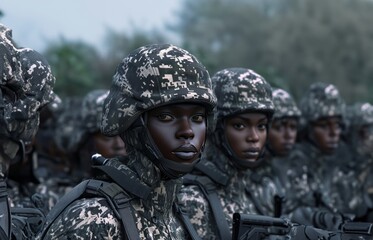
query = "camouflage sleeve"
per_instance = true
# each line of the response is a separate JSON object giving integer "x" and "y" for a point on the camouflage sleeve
{"x": 192, "y": 201}
{"x": 86, "y": 219}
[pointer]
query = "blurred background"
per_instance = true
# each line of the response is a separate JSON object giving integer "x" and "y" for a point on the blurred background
{"x": 292, "y": 43}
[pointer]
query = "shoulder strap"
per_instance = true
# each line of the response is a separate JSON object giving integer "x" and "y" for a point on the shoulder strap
{"x": 5, "y": 219}
{"x": 183, "y": 216}
{"x": 117, "y": 198}
{"x": 125, "y": 181}
{"x": 216, "y": 175}
{"x": 209, "y": 190}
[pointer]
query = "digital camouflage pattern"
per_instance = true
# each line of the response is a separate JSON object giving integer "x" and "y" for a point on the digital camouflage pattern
{"x": 150, "y": 77}
{"x": 92, "y": 107}
{"x": 321, "y": 100}
{"x": 285, "y": 106}
{"x": 233, "y": 197}
{"x": 89, "y": 117}
{"x": 94, "y": 218}
{"x": 241, "y": 89}
{"x": 238, "y": 90}
{"x": 26, "y": 86}
{"x": 360, "y": 132}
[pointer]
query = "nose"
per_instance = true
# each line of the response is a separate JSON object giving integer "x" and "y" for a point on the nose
{"x": 252, "y": 135}
{"x": 185, "y": 130}
{"x": 118, "y": 143}
{"x": 290, "y": 134}
{"x": 334, "y": 130}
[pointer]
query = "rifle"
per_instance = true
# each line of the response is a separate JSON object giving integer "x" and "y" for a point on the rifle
{"x": 254, "y": 227}
{"x": 258, "y": 227}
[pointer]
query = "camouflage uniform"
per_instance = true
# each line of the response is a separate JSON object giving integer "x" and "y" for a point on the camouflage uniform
{"x": 87, "y": 122}
{"x": 26, "y": 87}
{"x": 290, "y": 178}
{"x": 250, "y": 189}
{"x": 360, "y": 139}
{"x": 327, "y": 175}
{"x": 149, "y": 77}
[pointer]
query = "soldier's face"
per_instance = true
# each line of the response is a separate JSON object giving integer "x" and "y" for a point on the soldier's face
{"x": 282, "y": 135}
{"x": 178, "y": 130}
{"x": 325, "y": 133}
{"x": 109, "y": 146}
{"x": 246, "y": 134}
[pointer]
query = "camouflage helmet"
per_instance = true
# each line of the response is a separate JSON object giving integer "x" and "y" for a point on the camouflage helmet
{"x": 153, "y": 76}
{"x": 240, "y": 90}
{"x": 150, "y": 77}
{"x": 360, "y": 114}
{"x": 321, "y": 100}
{"x": 26, "y": 86}
{"x": 285, "y": 105}
{"x": 92, "y": 106}
{"x": 88, "y": 119}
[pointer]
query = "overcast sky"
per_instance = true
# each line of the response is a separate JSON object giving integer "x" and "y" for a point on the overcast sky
{"x": 35, "y": 23}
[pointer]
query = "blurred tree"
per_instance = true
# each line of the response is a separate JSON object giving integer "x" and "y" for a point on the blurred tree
{"x": 80, "y": 68}
{"x": 76, "y": 66}
{"x": 290, "y": 42}
{"x": 119, "y": 45}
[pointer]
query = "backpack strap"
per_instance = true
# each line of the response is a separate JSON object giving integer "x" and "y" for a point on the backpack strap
{"x": 213, "y": 173}
{"x": 125, "y": 181}
{"x": 26, "y": 222}
{"x": 121, "y": 204}
{"x": 116, "y": 197}
{"x": 208, "y": 188}
{"x": 5, "y": 219}
{"x": 183, "y": 216}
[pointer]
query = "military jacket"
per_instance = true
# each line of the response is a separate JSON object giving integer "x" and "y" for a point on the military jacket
{"x": 233, "y": 198}
{"x": 93, "y": 218}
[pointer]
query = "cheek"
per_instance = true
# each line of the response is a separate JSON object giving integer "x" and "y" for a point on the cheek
{"x": 262, "y": 138}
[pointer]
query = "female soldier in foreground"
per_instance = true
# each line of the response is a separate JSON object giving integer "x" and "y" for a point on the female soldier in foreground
{"x": 159, "y": 100}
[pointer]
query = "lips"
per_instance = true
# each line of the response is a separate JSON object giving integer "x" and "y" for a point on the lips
{"x": 251, "y": 153}
{"x": 185, "y": 152}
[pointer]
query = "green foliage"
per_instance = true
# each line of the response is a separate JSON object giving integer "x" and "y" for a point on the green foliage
{"x": 75, "y": 66}
{"x": 292, "y": 43}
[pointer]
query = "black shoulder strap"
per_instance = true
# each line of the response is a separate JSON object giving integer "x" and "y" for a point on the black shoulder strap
{"x": 183, "y": 216}
{"x": 124, "y": 180}
{"x": 216, "y": 175}
{"x": 209, "y": 190}
{"x": 117, "y": 198}
{"x": 5, "y": 219}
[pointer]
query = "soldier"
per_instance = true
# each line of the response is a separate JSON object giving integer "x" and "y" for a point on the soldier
{"x": 235, "y": 148}
{"x": 322, "y": 153}
{"x": 159, "y": 103}
{"x": 281, "y": 141}
{"x": 86, "y": 138}
{"x": 26, "y": 87}
{"x": 360, "y": 140}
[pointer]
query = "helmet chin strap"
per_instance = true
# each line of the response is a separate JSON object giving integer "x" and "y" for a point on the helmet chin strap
{"x": 170, "y": 169}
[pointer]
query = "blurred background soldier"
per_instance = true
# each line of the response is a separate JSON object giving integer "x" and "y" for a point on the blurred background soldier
{"x": 281, "y": 141}
{"x": 26, "y": 87}
{"x": 359, "y": 138}
{"x": 324, "y": 156}
{"x": 86, "y": 138}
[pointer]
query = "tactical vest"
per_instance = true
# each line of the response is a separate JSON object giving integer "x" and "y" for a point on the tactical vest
{"x": 118, "y": 190}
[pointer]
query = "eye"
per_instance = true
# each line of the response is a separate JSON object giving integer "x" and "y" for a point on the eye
{"x": 238, "y": 126}
{"x": 165, "y": 117}
{"x": 262, "y": 126}
{"x": 198, "y": 118}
